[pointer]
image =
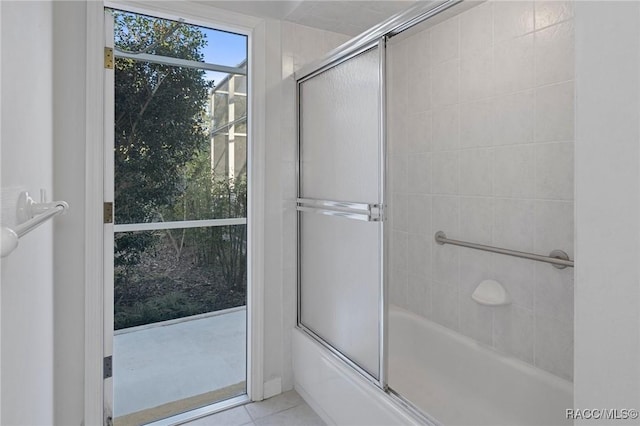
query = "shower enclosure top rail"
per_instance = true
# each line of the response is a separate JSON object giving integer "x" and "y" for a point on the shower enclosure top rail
{"x": 557, "y": 258}
{"x": 413, "y": 15}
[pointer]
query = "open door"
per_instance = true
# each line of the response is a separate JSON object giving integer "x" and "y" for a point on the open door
{"x": 176, "y": 206}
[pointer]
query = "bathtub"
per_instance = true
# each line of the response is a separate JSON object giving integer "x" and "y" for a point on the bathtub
{"x": 460, "y": 382}
{"x": 451, "y": 378}
{"x": 339, "y": 394}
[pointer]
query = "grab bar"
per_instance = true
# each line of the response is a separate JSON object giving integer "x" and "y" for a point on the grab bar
{"x": 33, "y": 215}
{"x": 357, "y": 211}
{"x": 557, "y": 258}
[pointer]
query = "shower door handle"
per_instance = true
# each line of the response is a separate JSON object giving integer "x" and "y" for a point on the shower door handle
{"x": 368, "y": 212}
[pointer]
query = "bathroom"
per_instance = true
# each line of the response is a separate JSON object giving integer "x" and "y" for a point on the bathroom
{"x": 505, "y": 124}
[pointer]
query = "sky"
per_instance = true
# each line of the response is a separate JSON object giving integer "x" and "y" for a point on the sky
{"x": 223, "y": 49}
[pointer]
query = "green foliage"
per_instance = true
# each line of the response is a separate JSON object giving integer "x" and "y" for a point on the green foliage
{"x": 161, "y": 308}
{"x": 226, "y": 198}
{"x": 223, "y": 247}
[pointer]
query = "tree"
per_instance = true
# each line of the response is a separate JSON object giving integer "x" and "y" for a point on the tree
{"x": 159, "y": 121}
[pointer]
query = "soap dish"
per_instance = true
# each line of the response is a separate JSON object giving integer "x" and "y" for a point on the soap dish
{"x": 491, "y": 293}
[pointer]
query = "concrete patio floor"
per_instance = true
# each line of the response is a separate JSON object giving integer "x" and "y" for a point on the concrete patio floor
{"x": 174, "y": 360}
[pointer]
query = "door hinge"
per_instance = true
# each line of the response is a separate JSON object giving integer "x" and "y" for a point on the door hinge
{"x": 108, "y": 212}
{"x": 108, "y": 421}
{"x": 108, "y": 58}
{"x": 107, "y": 366}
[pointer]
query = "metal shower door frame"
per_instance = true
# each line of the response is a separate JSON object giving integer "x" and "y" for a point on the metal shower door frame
{"x": 380, "y": 44}
{"x": 375, "y": 37}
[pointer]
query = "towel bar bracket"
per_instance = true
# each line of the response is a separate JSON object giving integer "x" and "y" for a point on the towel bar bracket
{"x": 29, "y": 215}
{"x": 27, "y": 208}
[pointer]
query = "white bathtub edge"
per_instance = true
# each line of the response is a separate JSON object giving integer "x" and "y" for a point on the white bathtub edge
{"x": 339, "y": 394}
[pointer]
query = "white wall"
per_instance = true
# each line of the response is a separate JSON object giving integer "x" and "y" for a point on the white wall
{"x": 69, "y": 34}
{"x": 27, "y": 162}
{"x": 0, "y": 206}
{"x": 607, "y": 300}
{"x": 274, "y": 349}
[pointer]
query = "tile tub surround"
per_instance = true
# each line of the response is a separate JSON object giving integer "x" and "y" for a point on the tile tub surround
{"x": 481, "y": 147}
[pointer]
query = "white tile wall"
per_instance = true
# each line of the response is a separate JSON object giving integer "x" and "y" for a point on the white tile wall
{"x": 513, "y": 224}
{"x": 398, "y": 293}
{"x": 514, "y": 171}
{"x": 554, "y": 112}
{"x": 512, "y": 19}
{"x": 476, "y": 320}
{"x": 419, "y": 294}
{"x": 513, "y": 118}
{"x": 419, "y": 126}
{"x": 554, "y": 345}
{"x": 554, "y": 177}
{"x": 476, "y": 29}
{"x": 552, "y": 12}
{"x": 445, "y": 44}
{"x": 481, "y": 134}
{"x": 419, "y": 173}
{"x": 445, "y": 87}
{"x": 476, "y": 168}
{"x": 513, "y": 65}
{"x": 445, "y": 128}
{"x": 419, "y": 249}
{"x": 419, "y": 73}
{"x": 476, "y": 69}
{"x": 445, "y": 307}
{"x": 444, "y": 172}
{"x": 554, "y": 54}
{"x": 419, "y": 215}
{"x": 513, "y": 331}
{"x": 517, "y": 276}
{"x": 476, "y": 128}
{"x": 476, "y": 219}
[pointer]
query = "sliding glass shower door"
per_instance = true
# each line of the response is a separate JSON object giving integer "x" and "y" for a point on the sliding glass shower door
{"x": 340, "y": 228}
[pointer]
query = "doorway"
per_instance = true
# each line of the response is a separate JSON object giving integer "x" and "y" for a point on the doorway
{"x": 176, "y": 317}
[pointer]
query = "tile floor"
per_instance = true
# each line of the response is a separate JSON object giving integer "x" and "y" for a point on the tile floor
{"x": 287, "y": 409}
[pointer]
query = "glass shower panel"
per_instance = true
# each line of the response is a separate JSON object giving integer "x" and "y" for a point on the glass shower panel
{"x": 340, "y": 288}
{"x": 340, "y": 256}
{"x": 339, "y": 131}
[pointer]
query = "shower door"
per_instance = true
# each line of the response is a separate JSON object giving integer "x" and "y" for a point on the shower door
{"x": 340, "y": 194}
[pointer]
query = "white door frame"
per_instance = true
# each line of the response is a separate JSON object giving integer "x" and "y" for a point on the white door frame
{"x": 204, "y": 15}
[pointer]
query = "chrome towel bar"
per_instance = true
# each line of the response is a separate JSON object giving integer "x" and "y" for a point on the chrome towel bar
{"x": 357, "y": 211}
{"x": 557, "y": 258}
